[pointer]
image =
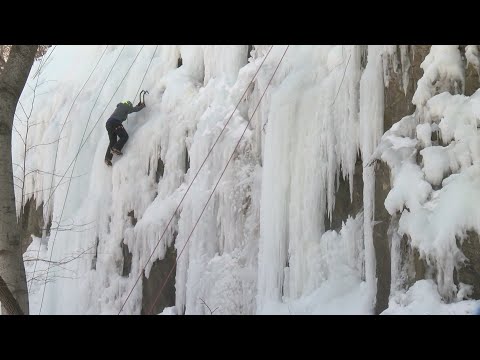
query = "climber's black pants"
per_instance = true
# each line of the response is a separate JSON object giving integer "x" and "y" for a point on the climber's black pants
{"x": 115, "y": 128}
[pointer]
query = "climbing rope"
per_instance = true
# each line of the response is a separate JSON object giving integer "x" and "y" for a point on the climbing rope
{"x": 148, "y": 67}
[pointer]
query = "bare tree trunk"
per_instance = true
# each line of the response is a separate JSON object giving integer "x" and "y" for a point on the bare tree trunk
{"x": 8, "y": 301}
{"x": 12, "y": 81}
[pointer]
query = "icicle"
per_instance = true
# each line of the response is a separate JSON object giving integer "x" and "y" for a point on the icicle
{"x": 371, "y": 123}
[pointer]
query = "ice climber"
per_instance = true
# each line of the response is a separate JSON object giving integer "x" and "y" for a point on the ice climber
{"x": 115, "y": 128}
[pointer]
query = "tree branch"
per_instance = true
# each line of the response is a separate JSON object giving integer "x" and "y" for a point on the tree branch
{"x": 16, "y": 177}
{"x": 49, "y": 173}
{"x": 21, "y": 137}
{"x": 24, "y": 112}
{"x": 204, "y": 303}
{"x": 53, "y": 142}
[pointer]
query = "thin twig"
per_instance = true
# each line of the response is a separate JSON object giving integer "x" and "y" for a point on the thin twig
{"x": 21, "y": 137}
{"x": 204, "y": 303}
{"x": 53, "y": 142}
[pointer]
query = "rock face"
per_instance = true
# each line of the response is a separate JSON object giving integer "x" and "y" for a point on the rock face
{"x": 472, "y": 80}
{"x": 397, "y": 105}
{"x": 32, "y": 223}
{"x": 344, "y": 205}
{"x": 402, "y": 82}
{"x": 381, "y": 238}
{"x": 469, "y": 273}
{"x": 154, "y": 297}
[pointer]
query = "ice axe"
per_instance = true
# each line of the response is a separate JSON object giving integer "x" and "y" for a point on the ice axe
{"x": 143, "y": 92}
